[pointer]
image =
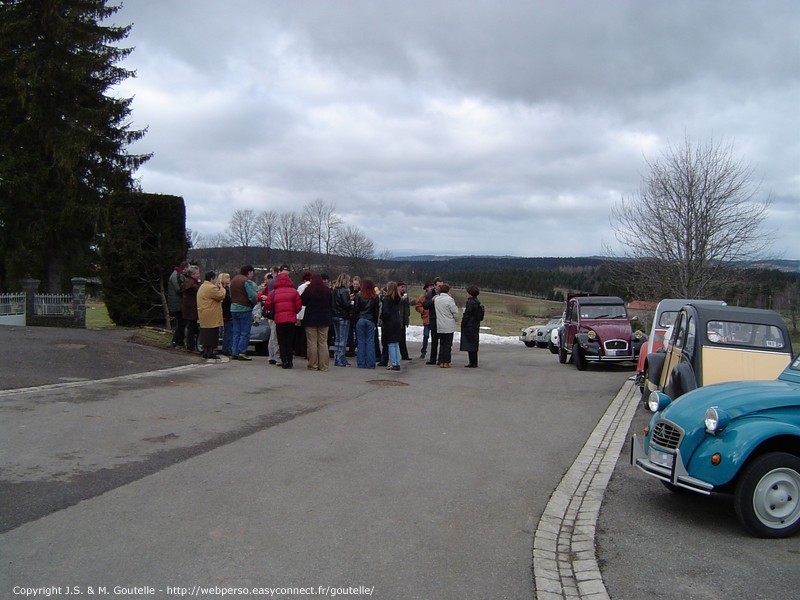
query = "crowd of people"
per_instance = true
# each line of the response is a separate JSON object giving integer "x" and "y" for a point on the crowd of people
{"x": 319, "y": 319}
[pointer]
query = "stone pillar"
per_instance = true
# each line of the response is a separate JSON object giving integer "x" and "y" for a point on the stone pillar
{"x": 31, "y": 287}
{"x": 79, "y": 302}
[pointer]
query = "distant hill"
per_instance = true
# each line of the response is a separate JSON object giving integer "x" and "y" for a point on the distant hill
{"x": 493, "y": 263}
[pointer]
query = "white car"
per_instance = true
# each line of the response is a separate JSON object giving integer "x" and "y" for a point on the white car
{"x": 539, "y": 335}
{"x": 553, "y": 343}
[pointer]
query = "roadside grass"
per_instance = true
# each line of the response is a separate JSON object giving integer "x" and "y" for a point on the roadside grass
{"x": 505, "y": 314}
{"x": 152, "y": 336}
{"x": 97, "y": 316}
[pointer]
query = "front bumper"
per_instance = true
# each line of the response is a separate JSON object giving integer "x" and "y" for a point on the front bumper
{"x": 674, "y": 473}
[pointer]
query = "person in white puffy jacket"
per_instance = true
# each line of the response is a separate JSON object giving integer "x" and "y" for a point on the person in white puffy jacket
{"x": 446, "y": 316}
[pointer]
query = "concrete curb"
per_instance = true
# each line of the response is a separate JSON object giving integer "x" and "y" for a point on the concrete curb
{"x": 564, "y": 559}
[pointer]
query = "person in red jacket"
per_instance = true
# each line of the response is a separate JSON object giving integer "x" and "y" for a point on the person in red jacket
{"x": 286, "y": 302}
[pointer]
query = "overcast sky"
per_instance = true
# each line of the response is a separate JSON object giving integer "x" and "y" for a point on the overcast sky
{"x": 458, "y": 126}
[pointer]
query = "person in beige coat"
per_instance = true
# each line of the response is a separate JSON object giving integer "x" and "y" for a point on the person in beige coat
{"x": 209, "y": 313}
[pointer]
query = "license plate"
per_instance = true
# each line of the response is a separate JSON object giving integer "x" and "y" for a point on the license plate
{"x": 665, "y": 459}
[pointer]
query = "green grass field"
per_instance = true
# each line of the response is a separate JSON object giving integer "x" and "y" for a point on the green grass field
{"x": 505, "y": 315}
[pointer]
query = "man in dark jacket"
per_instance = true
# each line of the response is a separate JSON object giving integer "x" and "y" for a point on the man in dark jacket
{"x": 428, "y": 305}
{"x": 405, "y": 316}
{"x": 174, "y": 291}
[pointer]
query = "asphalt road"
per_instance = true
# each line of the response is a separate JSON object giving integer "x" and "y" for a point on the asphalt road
{"x": 427, "y": 483}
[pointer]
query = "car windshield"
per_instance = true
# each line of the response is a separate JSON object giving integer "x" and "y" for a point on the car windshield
{"x": 758, "y": 335}
{"x": 612, "y": 311}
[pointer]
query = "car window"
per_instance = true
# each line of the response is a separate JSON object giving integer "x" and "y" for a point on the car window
{"x": 680, "y": 331}
{"x": 667, "y": 318}
{"x": 757, "y": 335}
{"x": 691, "y": 336}
{"x": 613, "y": 311}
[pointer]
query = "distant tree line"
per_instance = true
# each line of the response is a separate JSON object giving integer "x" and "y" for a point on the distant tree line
{"x": 314, "y": 234}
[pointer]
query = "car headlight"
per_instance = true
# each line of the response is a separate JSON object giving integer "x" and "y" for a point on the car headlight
{"x": 637, "y": 335}
{"x": 716, "y": 420}
{"x": 592, "y": 336}
{"x": 658, "y": 401}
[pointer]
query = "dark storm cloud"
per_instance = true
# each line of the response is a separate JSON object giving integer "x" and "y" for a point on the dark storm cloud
{"x": 500, "y": 125}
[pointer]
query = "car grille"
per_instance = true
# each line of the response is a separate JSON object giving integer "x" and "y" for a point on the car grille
{"x": 616, "y": 345}
{"x": 667, "y": 435}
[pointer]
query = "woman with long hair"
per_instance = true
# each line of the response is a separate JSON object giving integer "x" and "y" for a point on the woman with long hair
{"x": 367, "y": 307}
{"x": 392, "y": 325}
{"x": 317, "y": 319}
{"x": 342, "y": 310}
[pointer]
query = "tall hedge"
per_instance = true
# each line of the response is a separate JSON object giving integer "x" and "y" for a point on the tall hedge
{"x": 144, "y": 238}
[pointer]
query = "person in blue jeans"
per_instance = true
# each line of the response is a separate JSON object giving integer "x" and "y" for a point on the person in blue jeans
{"x": 367, "y": 308}
{"x": 243, "y": 299}
{"x": 424, "y": 313}
{"x": 342, "y": 311}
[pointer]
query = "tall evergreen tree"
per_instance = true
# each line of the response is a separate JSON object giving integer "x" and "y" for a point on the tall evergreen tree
{"x": 63, "y": 139}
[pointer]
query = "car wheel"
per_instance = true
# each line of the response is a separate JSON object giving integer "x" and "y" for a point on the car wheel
{"x": 260, "y": 348}
{"x": 767, "y": 496}
{"x": 562, "y": 355}
{"x": 530, "y": 344}
{"x": 577, "y": 357}
{"x": 552, "y": 347}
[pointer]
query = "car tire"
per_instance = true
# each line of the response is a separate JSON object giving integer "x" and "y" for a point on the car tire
{"x": 530, "y": 344}
{"x": 767, "y": 495}
{"x": 552, "y": 347}
{"x": 562, "y": 355}
{"x": 577, "y": 358}
{"x": 260, "y": 349}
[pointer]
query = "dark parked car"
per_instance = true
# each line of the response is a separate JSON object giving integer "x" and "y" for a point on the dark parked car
{"x": 597, "y": 329}
{"x": 259, "y": 332}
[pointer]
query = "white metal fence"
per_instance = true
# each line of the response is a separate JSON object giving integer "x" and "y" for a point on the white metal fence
{"x": 12, "y": 309}
{"x": 53, "y": 305}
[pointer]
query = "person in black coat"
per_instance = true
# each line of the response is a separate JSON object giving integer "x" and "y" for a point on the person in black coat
{"x": 471, "y": 326}
{"x": 427, "y": 304}
{"x": 392, "y": 324}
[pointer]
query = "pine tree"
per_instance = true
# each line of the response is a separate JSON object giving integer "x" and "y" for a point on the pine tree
{"x": 63, "y": 139}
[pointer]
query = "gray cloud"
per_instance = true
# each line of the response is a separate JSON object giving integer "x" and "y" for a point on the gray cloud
{"x": 489, "y": 127}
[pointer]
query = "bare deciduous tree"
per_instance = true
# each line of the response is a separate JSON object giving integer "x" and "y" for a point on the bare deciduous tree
{"x": 321, "y": 224}
{"x": 288, "y": 233}
{"x": 788, "y": 302}
{"x": 242, "y": 230}
{"x": 354, "y": 245}
{"x": 696, "y": 218}
{"x": 266, "y": 230}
